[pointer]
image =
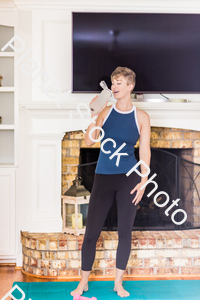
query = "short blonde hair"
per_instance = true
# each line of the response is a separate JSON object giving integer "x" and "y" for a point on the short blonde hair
{"x": 129, "y": 75}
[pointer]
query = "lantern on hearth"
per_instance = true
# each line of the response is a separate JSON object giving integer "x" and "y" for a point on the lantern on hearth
{"x": 75, "y": 206}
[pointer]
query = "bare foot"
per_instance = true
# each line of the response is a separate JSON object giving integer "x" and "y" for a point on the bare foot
{"x": 80, "y": 289}
{"x": 121, "y": 291}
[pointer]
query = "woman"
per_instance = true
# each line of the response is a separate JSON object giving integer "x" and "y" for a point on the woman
{"x": 122, "y": 124}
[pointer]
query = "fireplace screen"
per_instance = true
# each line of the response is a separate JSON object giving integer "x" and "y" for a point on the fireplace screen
{"x": 177, "y": 177}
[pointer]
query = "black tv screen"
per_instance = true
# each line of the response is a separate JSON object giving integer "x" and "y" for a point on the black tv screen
{"x": 163, "y": 50}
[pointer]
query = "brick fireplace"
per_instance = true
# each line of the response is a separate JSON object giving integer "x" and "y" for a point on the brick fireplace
{"x": 161, "y": 137}
{"x": 152, "y": 253}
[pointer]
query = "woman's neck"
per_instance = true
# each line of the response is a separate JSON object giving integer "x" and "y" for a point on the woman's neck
{"x": 124, "y": 105}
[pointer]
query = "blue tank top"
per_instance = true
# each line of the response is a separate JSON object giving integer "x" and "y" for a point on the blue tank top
{"x": 122, "y": 127}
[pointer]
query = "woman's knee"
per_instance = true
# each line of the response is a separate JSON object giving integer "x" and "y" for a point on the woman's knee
{"x": 125, "y": 234}
{"x": 90, "y": 238}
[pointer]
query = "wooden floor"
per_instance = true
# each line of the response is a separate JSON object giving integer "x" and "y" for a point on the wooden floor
{"x": 9, "y": 274}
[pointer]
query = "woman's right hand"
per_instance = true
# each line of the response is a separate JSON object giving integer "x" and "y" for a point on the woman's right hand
{"x": 94, "y": 99}
{"x": 96, "y": 122}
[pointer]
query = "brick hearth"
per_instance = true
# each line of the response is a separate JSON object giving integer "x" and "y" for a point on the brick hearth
{"x": 152, "y": 253}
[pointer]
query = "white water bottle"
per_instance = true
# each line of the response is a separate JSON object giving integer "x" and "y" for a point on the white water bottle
{"x": 101, "y": 100}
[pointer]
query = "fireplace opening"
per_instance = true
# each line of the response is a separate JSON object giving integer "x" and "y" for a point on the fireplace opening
{"x": 176, "y": 175}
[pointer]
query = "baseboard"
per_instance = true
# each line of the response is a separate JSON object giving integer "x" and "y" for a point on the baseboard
{"x": 112, "y": 278}
{"x": 7, "y": 264}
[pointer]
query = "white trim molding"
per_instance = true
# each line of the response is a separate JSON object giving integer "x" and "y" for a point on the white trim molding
{"x": 111, "y": 5}
{"x": 163, "y": 114}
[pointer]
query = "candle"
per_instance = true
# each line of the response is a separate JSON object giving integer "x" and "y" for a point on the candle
{"x": 80, "y": 221}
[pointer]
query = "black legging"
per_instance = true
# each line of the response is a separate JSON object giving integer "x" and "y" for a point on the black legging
{"x": 105, "y": 189}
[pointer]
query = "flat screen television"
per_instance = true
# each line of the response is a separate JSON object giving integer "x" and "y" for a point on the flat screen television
{"x": 163, "y": 49}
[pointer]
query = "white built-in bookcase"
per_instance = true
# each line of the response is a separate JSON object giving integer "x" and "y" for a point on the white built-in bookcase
{"x": 8, "y": 140}
{"x": 7, "y": 99}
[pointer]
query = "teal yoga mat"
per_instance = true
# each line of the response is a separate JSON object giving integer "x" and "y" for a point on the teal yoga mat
{"x": 103, "y": 290}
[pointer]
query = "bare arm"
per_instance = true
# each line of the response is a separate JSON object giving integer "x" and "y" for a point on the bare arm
{"x": 144, "y": 145}
{"x": 144, "y": 152}
{"x": 99, "y": 123}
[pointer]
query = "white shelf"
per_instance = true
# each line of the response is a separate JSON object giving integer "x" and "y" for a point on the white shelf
{"x": 7, "y": 54}
{"x": 7, "y": 89}
{"x": 7, "y": 127}
{"x": 8, "y": 166}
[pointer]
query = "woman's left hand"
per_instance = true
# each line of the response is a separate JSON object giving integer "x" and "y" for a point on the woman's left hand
{"x": 139, "y": 194}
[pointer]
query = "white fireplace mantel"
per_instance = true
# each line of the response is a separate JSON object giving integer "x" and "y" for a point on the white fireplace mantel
{"x": 162, "y": 114}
